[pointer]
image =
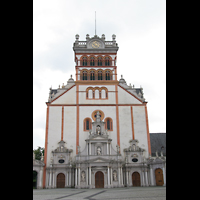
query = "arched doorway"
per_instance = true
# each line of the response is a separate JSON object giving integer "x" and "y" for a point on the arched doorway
{"x": 34, "y": 179}
{"x": 99, "y": 180}
{"x": 60, "y": 180}
{"x": 159, "y": 177}
{"x": 136, "y": 179}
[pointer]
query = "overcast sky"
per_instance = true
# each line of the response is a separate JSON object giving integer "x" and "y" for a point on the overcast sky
{"x": 140, "y": 29}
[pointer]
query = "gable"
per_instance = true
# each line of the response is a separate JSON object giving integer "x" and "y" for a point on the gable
{"x": 125, "y": 97}
{"x": 68, "y": 97}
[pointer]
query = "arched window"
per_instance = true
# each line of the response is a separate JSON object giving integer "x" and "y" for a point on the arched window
{"x": 107, "y": 61}
{"x": 90, "y": 94}
{"x": 108, "y": 75}
{"x": 103, "y": 94}
{"x": 84, "y": 61}
{"x": 92, "y": 76}
{"x": 100, "y": 75}
{"x": 91, "y": 61}
{"x": 84, "y": 75}
{"x": 99, "y": 62}
{"x": 108, "y": 124}
{"x": 87, "y": 124}
{"x": 96, "y": 94}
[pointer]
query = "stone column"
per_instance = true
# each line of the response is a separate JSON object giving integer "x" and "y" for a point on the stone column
{"x": 86, "y": 176}
{"x": 164, "y": 177}
{"x": 79, "y": 175}
{"x": 146, "y": 176}
{"x": 90, "y": 148}
{"x": 76, "y": 178}
{"x": 151, "y": 175}
{"x": 90, "y": 178}
{"x": 70, "y": 178}
{"x": 111, "y": 176}
{"x": 110, "y": 149}
{"x": 108, "y": 177}
{"x": 50, "y": 178}
{"x": 143, "y": 181}
{"x": 66, "y": 180}
{"x": 41, "y": 176}
{"x": 107, "y": 148}
{"x": 127, "y": 178}
{"x": 119, "y": 176}
{"x": 130, "y": 178}
{"x": 53, "y": 176}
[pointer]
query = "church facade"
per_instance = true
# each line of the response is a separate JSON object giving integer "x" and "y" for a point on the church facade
{"x": 97, "y": 132}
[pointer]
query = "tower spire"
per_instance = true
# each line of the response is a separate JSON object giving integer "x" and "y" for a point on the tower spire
{"x": 95, "y": 22}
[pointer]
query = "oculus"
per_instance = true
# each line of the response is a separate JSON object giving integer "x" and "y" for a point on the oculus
{"x": 61, "y": 161}
{"x": 134, "y": 159}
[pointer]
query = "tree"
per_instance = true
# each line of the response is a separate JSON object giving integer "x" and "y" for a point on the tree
{"x": 39, "y": 152}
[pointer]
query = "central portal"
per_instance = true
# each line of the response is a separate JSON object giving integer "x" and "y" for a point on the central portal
{"x": 99, "y": 180}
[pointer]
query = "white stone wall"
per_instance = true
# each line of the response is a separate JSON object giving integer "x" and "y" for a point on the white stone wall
{"x": 126, "y": 98}
{"x": 69, "y": 128}
{"x": 125, "y": 126}
{"x": 54, "y": 130}
{"x": 140, "y": 128}
{"x": 68, "y": 98}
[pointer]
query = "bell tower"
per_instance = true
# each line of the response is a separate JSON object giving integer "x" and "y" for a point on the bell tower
{"x": 95, "y": 59}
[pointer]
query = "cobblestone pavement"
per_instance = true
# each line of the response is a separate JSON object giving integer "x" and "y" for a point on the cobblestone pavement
{"x": 136, "y": 193}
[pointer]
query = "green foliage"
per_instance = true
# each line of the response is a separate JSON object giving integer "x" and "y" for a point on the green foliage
{"x": 38, "y": 153}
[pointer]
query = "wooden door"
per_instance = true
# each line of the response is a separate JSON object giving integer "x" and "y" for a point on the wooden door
{"x": 136, "y": 179}
{"x": 159, "y": 177}
{"x": 60, "y": 180}
{"x": 99, "y": 180}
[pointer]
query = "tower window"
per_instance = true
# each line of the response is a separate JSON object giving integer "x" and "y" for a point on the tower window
{"x": 99, "y": 63}
{"x": 84, "y": 61}
{"x": 108, "y": 76}
{"x": 84, "y": 75}
{"x": 107, "y": 61}
{"x": 92, "y": 77}
{"x": 99, "y": 75}
{"x": 92, "y": 61}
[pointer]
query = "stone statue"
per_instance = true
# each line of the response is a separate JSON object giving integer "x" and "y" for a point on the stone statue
{"x": 126, "y": 159}
{"x": 118, "y": 148}
{"x": 61, "y": 148}
{"x": 42, "y": 157}
{"x": 156, "y": 154}
{"x": 79, "y": 149}
{"x": 98, "y": 129}
{"x": 98, "y": 150}
{"x": 83, "y": 176}
{"x": 114, "y": 176}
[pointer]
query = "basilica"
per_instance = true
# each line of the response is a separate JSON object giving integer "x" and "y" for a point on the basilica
{"x": 97, "y": 131}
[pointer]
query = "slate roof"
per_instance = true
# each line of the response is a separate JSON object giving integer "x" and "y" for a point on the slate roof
{"x": 158, "y": 140}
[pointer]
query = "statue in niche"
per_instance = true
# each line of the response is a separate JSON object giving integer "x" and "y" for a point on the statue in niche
{"x": 61, "y": 148}
{"x": 98, "y": 130}
{"x": 79, "y": 149}
{"x": 98, "y": 151}
{"x": 83, "y": 176}
{"x": 98, "y": 117}
{"x": 114, "y": 176}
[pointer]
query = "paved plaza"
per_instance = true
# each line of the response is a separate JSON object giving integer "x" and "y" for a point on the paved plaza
{"x": 136, "y": 193}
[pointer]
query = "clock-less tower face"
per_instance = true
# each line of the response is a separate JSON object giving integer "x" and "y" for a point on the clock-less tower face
{"x": 95, "y": 44}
